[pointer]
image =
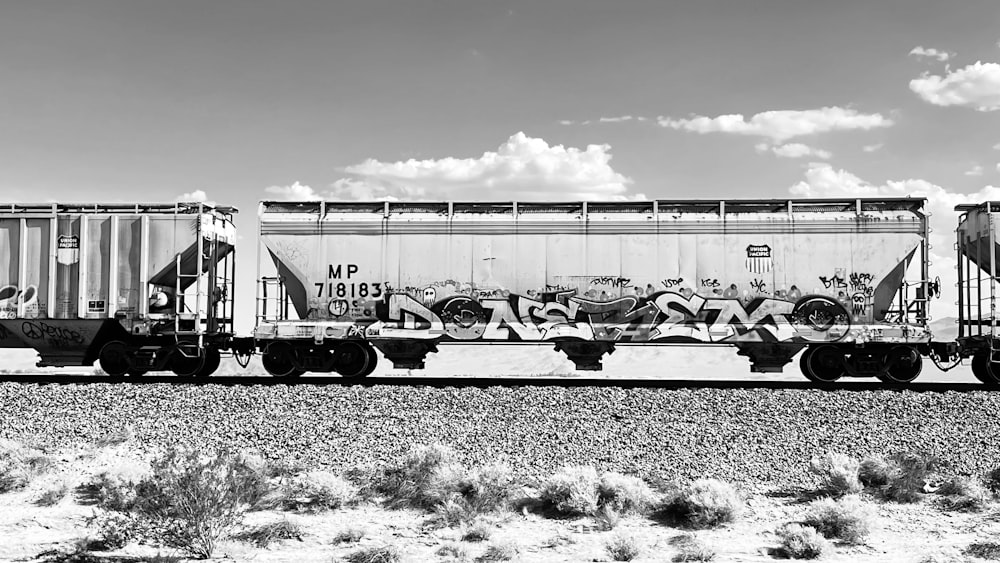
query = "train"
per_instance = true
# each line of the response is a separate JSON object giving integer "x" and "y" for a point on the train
{"x": 842, "y": 283}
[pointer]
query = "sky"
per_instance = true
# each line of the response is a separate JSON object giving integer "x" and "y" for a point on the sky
{"x": 238, "y": 101}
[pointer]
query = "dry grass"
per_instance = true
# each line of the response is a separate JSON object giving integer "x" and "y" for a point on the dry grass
{"x": 317, "y": 490}
{"x": 624, "y": 494}
{"x": 983, "y": 550}
{"x": 801, "y": 542}
{"x": 908, "y": 476}
{"x": 573, "y": 490}
{"x": 874, "y": 472}
{"x": 381, "y": 554}
{"x": 453, "y": 551}
{"x": 19, "y": 465}
{"x": 963, "y": 494}
{"x": 622, "y": 547}
{"x": 350, "y": 535}
{"x": 502, "y": 551}
{"x": 425, "y": 478}
{"x": 847, "y": 518}
{"x": 837, "y": 473}
{"x": 266, "y": 534}
{"x": 706, "y": 503}
{"x": 478, "y": 532}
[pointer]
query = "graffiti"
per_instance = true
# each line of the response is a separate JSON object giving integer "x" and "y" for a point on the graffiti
{"x": 758, "y": 285}
{"x": 11, "y": 297}
{"x": 671, "y": 283}
{"x": 862, "y": 282}
{"x": 663, "y": 316}
{"x": 612, "y": 281}
{"x": 710, "y": 282}
{"x": 55, "y": 336}
{"x": 835, "y": 282}
{"x": 858, "y": 302}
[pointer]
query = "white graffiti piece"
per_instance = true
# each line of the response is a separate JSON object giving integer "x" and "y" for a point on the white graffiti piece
{"x": 11, "y": 297}
{"x": 665, "y": 316}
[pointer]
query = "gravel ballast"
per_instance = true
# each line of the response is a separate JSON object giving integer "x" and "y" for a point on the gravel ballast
{"x": 758, "y": 438}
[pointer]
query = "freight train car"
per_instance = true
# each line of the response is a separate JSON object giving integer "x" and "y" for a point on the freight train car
{"x": 135, "y": 287}
{"x": 843, "y": 281}
{"x": 978, "y": 262}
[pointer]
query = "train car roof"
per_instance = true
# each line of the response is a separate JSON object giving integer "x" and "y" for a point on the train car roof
{"x": 183, "y": 207}
{"x": 646, "y": 206}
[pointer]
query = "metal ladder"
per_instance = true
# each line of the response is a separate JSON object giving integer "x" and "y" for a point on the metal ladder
{"x": 278, "y": 297}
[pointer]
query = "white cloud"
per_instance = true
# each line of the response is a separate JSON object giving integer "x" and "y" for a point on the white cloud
{"x": 195, "y": 196}
{"x": 566, "y": 122}
{"x": 930, "y": 52}
{"x": 523, "y": 168}
{"x": 793, "y": 150}
{"x": 977, "y": 85}
{"x": 618, "y": 119}
{"x": 976, "y": 170}
{"x": 872, "y": 148}
{"x": 996, "y": 147}
{"x": 781, "y": 125}
{"x": 823, "y": 181}
{"x": 294, "y": 192}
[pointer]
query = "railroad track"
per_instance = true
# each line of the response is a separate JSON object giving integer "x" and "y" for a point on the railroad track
{"x": 522, "y": 381}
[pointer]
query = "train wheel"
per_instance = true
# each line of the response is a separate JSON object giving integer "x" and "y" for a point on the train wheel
{"x": 212, "y": 360}
{"x": 354, "y": 360}
{"x": 902, "y": 365}
{"x": 114, "y": 358}
{"x": 277, "y": 360}
{"x": 822, "y": 364}
{"x": 373, "y": 357}
{"x": 187, "y": 366}
{"x": 985, "y": 370}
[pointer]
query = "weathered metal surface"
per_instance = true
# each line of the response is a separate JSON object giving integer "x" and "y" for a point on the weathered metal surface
{"x": 698, "y": 272}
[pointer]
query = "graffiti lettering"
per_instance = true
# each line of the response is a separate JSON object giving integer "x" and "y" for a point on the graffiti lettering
{"x": 671, "y": 283}
{"x": 663, "y": 316}
{"x": 710, "y": 282}
{"x": 759, "y": 286}
{"x": 862, "y": 282}
{"x": 835, "y": 282}
{"x": 612, "y": 281}
{"x": 56, "y": 336}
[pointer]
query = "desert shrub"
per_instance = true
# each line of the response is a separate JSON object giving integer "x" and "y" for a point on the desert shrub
{"x": 801, "y": 542}
{"x": 992, "y": 480}
{"x": 694, "y": 551}
{"x": 908, "y": 476}
{"x": 382, "y": 554}
{"x": 478, "y": 531}
{"x": 114, "y": 531}
{"x": 350, "y": 535}
{"x": 266, "y": 534}
{"x": 454, "y": 551}
{"x": 115, "y": 488}
{"x": 622, "y": 547}
{"x": 488, "y": 488}
{"x": 837, "y": 473}
{"x": 703, "y": 504}
{"x": 962, "y": 494}
{"x": 846, "y": 518}
{"x": 52, "y": 496}
{"x": 318, "y": 490}
{"x": 18, "y": 465}
{"x": 195, "y": 499}
{"x": 483, "y": 491}
{"x": 624, "y": 494}
{"x": 874, "y": 472}
{"x": 572, "y": 490}
{"x": 426, "y": 477}
{"x": 502, "y": 551}
{"x": 608, "y": 517}
{"x": 983, "y": 550}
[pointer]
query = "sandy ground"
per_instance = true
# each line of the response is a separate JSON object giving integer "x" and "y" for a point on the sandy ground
{"x": 910, "y": 533}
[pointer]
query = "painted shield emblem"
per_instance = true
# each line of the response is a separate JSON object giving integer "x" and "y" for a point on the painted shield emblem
{"x": 759, "y": 258}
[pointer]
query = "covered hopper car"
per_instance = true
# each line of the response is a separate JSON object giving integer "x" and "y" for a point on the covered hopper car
{"x": 843, "y": 283}
{"x": 844, "y": 280}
